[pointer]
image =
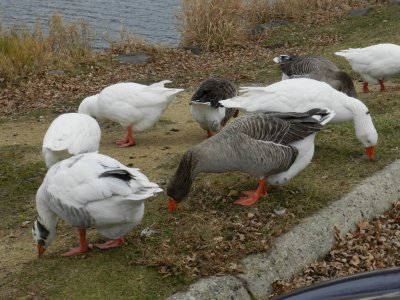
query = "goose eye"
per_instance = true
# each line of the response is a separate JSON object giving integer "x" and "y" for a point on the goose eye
{"x": 367, "y": 112}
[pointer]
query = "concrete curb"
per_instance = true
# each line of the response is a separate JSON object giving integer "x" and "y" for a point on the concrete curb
{"x": 305, "y": 243}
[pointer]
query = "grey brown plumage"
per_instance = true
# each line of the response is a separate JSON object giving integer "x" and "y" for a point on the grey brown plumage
{"x": 318, "y": 68}
{"x": 213, "y": 116}
{"x": 257, "y": 144}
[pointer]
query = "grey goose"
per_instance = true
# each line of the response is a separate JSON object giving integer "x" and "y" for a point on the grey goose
{"x": 260, "y": 144}
{"x": 205, "y": 107}
{"x": 318, "y": 68}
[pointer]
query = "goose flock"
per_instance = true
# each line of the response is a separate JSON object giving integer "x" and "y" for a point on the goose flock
{"x": 273, "y": 140}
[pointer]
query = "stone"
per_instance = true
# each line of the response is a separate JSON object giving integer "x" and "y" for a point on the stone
{"x": 57, "y": 72}
{"x": 214, "y": 288}
{"x": 359, "y": 12}
{"x": 260, "y": 28}
{"x": 194, "y": 49}
{"x": 133, "y": 58}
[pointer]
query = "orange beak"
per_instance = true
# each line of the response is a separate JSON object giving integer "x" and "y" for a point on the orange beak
{"x": 370, "y": 152}
{"x": 40, "y": 250}
{"x": 172, "y": 205}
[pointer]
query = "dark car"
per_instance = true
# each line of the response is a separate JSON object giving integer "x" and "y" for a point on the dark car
{"x": 379, "y": 284}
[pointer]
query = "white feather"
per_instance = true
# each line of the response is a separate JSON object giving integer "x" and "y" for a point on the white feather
{"x": 373, "y": 63}
{"x": 82, "y": 191}
{"x": 70, "y": 134}
{"x": 303, "y": 94}
{"x": 131, "y": 104}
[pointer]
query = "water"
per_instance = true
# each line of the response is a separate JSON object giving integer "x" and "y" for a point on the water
{"x": 153, "y": 20}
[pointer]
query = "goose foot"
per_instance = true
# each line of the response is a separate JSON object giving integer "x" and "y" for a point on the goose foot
{"x": 253, "y": 196}
{"x": 83, "y": 245}
{"x": 383, "y": 88}
{"x": 128, "y": 144}
{"x": 127, "y": 141}
{"x": 76, "y": 250}
{"x": 209, "y": 133}
{"x": 365, "y": 87}
{"x": 122, "y": 141}
{"x": 246, "y": 201}
{"x": 110, "y": 244}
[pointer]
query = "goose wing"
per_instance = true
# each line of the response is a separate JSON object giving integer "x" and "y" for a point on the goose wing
{"x": 212, "y": 90}
{"x": 77, "y": 133}
{"x": 261, "y": 157}
{"x": 70, "y": 134}
{"x": 304, "y": 66}
{"x": 282, "y": 128}
{"x": 130, "y": 95}
{"x": 91, "y": 189}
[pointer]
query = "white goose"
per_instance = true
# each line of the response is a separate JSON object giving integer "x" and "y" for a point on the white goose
{"x": 375, "y": 64}
{"x": 205, "y": 107}
{"x": 301, "y": 94}
{"x": 273, "y": 146}
{"x": 70, "y": 134}
{"x": 135, "y": 106}
{"x": 91, "y": 190}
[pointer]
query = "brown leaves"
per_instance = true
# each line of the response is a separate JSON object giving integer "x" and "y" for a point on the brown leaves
{"x": 45, "y": 90}
{"x": 374, "y": 245}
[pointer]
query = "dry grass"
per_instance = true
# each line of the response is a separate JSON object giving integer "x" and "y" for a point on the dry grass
{"x": 64, "y": 46}
{"x": 263, "y": 11}
{"x": 23, "y": 52}
{"x": 213, "y": 24}
{"x": 129, "y": 42}
{"x": 210, "y": 24}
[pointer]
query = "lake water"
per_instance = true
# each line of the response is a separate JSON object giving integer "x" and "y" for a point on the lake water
{"x": 153, "y": 20}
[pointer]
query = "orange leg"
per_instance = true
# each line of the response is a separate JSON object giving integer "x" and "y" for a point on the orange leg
{"x": 253, "y": 196}
{"x": 83, "y": 245}
{"x": 365, "y": 87}
{"x": 128, "y": 140}
{"x": 110, "y": 244}
{"x": 383, "y": 88}
{"x": 209, "y": 133}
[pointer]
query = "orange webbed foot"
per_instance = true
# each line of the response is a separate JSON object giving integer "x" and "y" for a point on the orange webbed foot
{"x": 77, "y": 250}
{"x": 246, "y": 201}
{"x": 128, "y": 144}
{"x": 110, "y": 244}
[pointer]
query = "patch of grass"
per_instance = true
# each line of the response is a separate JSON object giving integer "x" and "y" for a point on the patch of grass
{"x": 89, "y": 277}
{"x": 19, "y": 180}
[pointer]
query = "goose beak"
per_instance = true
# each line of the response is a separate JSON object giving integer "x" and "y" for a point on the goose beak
{"x": 40, "y": 250}
{"x": 172, "y": 205}
{"x": 370, "y": 152}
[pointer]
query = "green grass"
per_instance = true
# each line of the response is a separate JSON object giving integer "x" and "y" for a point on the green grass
{"x": 207, "y": 233}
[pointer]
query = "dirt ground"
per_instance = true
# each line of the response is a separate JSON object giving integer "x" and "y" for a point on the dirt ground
{"x": 172, "y": 135}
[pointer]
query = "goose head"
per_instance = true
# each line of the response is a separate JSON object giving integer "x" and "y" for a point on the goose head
{"x": 180, "y": 183}
{"x": 43, "y": 235}
{"x": 283, "y": 58}
{"x": 366, "y": 132}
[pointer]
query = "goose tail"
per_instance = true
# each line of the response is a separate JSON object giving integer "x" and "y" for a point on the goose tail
{"x": 323, "y": 115}
{"x": 231, "y": 103}
{"x": 161, "y": 83}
